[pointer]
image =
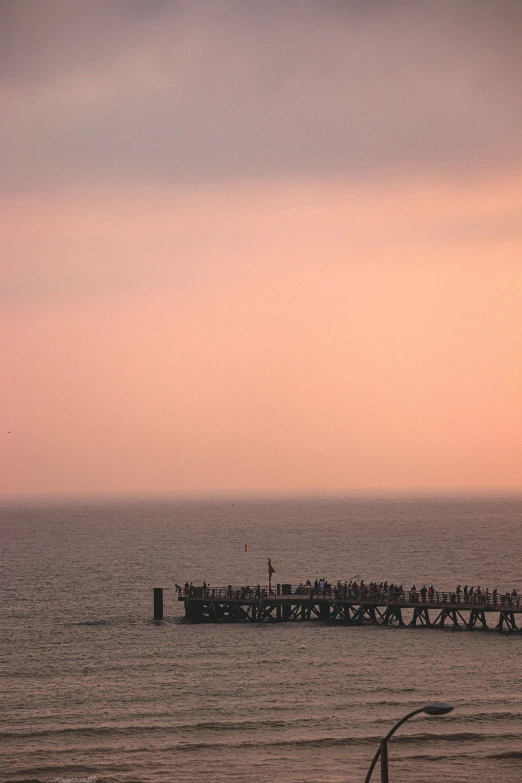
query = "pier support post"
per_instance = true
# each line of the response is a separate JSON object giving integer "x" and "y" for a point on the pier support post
{"x": 158, "y": 603}
{"x": 324, "y": 611}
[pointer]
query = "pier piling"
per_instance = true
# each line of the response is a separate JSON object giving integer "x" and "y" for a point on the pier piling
{"x": 158, "y": 603}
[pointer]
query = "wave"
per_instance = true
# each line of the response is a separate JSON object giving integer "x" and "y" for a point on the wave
{"x": 83, "y": 779}
{"x": 84, "y": 730}
{"x": 507, "y": 754}
{"x": 385, "y": 703}
{"x": 188, "y": 727}
{"x": 432, "y": 757}
{"x": 323, "y": 742}
{"x": 231, "y": 726}
{"x": 485, "y": 717}
{"x": 25, "y": 780}
{"x": 378, "y": 689}
{"x": 89, "y": 623}
{"x": 114, "y": 622}
{"x": 459, "y": 736}
{"x": 87, "y": 779}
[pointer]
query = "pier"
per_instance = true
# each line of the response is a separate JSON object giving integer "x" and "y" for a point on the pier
{"x": 288, "y": 603}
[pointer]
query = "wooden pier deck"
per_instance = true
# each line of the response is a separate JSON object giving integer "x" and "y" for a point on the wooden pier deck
{"x": 407, "y": 610}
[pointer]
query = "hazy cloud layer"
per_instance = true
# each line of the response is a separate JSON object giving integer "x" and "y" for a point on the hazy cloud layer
{"x": 188, "y": 91}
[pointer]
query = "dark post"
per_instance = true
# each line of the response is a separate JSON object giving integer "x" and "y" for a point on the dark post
{"x": 324, "y": 611}
{"x": 158, "y": 603}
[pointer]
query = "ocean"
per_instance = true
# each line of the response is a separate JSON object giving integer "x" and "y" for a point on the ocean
{"x": 92, "y": 690}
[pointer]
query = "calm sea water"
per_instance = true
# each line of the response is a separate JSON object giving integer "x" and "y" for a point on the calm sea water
{"x": 93, "y": 690}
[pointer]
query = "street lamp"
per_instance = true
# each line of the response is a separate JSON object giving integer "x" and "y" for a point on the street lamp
{"x": 433, "y": 708}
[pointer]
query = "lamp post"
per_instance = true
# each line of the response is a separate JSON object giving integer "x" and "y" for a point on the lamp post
{"x": 433, "y": 708}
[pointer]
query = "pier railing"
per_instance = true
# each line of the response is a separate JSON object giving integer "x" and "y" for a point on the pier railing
{"x": 366, "y": 595}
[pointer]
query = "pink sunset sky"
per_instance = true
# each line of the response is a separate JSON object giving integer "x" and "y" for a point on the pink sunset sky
{"x": 260, "y": 246}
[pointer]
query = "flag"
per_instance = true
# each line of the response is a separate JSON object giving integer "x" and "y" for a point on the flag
{"x": 271, "y": 569}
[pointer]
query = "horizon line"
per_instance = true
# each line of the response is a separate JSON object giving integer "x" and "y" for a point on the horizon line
{"x": 261, "y": 494}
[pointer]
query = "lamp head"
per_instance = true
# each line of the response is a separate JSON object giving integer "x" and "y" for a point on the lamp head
{"x": 438, "y": 708}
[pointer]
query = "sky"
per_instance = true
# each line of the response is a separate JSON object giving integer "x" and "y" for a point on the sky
{"x": 260, "y": 246}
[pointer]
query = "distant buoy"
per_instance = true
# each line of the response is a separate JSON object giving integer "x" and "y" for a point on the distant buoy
{"x": 246, "y": 547}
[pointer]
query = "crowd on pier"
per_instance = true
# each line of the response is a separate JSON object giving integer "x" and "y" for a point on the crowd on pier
{"x": 392, "y": 592}
{"x": 357, "y": 589}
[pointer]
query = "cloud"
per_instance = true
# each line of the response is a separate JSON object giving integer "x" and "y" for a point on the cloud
{"x": 189, "y": 92}
{"x": 107, "y": 243}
